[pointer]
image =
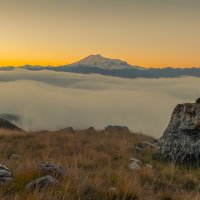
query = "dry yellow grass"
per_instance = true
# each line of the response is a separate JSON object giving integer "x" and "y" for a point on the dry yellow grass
{"x": 94, "y": 163}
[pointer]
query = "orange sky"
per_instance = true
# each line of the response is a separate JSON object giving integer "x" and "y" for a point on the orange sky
{"x": 154, "y": 33}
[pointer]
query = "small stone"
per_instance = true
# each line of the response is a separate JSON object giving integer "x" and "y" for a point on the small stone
{"x": 113, "y": 189}
{"x": 5, "y": 174}
{"x": 42, "y": 182}
{"x": 135, "y": 160}
{"x": 3, "y": 167}
{"x": 149, "y": 166}
{"x": 91, "y": 129}
{"x": 135, "y": 165}
{"x": 14, "y": 156}
{"x": 50, "y": 168}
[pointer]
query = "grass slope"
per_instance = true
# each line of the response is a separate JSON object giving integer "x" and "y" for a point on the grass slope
{"x": 94, "y": 163}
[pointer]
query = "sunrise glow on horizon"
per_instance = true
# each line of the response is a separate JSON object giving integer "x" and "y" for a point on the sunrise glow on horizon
{"x": 154, "y": 33}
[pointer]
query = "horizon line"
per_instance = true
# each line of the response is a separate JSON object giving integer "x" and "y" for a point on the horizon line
{"x": 67, "y": 65}
{"x": 105, "y": 57}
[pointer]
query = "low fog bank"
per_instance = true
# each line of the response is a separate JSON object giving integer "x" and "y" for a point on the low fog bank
{"x": 55, "y": 100}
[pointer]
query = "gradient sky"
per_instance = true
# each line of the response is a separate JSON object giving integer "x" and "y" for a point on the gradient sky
{"x": 149, "y": 33}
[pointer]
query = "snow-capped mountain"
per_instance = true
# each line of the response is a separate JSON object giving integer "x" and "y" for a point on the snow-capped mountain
{"x": 101, "y": 62}
{"x": 97, "y": 64}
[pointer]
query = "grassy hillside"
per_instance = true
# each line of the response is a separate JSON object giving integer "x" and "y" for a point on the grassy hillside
{"x": 96, "y": 168}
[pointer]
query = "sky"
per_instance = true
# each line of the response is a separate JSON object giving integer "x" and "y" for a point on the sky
{"x": 149, "y": 33}
{"x": 62, "y": 100}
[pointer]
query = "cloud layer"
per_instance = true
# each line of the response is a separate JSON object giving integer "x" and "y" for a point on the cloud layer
{"x": 54, "y": 100}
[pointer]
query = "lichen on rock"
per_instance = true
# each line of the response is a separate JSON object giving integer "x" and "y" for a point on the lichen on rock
{"x": 180, "y": 142}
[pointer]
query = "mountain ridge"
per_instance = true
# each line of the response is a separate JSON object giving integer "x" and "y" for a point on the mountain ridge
{"x": 97, "y": 64}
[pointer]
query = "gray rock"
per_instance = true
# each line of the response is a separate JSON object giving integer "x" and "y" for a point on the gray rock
{"x": 68, "y": 130}
{"x": 5, "y": 174}
{"x": 135, "y": 160}
{"x": 14, "y": 156}
{"x": 42, "y": 182}
{"x": 135, "y": 165}
{"x": 3, "y": 167}
{"x": 180, "y": 142}
{"x": 91, "y": 129}
{"x": 6, "y": 179}
{"x": 117, "y": 129}
{"x": 51, "y": 169}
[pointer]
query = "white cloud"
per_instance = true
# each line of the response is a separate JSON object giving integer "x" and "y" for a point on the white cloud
{"x": 54, "y": 100}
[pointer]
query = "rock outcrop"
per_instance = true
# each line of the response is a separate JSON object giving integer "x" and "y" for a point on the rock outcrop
{"x": 180, "y": 142}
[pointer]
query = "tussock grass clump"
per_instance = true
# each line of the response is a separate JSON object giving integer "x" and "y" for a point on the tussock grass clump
{"x": 94, "y": 163}
{"x": 189, "y": 181}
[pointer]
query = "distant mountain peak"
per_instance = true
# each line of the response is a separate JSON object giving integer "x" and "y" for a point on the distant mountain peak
{"x": 99, "y": 61}
{"x": 95, "y": 56}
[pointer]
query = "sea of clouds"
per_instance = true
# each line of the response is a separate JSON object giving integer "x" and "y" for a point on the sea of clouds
{"x": 55, "y": 100}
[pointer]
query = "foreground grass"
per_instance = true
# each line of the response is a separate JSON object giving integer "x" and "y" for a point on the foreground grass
{"x": 94, "y": 163}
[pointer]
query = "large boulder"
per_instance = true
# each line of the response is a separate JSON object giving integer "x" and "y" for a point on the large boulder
{"x": 180, "y": 142}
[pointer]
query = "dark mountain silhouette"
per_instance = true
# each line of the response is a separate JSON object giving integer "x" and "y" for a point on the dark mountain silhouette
{"x": 10, "y": 117}
{"x": 4, "y": 124}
